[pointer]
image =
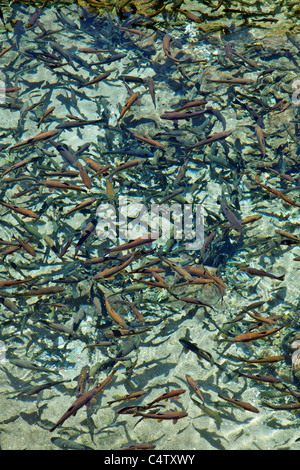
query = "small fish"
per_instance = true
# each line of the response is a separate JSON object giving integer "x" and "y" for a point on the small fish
{"x": 235, "y": 80}
{"x": 166, "y": 396}
{"x": 37, "y": 138}
{"x": 78, "y": 123}
{"x": 181, "y": 271}
{"x": 27, "y": 364}
{"x": 191, "y": 104}
{"x": 209, "y": 140}
{"x": 173, "y": 415}
{"x": 253, "y": 335}
{"x": 125, "y": 166}
{"x": 148, "y": 140}
{"x": 166, "y": 47}
{"x": 261, "y": 378}
{"x": 131, "y": 100}
{"x": 82, "y": 380}
{"x": 228, "y": 52}
{"x": 69, "y": 444}
{"x": 94, "y": 80}
{"x": 20, "y": 210}
{"x": 38, "y": 388}
{"x": 84, "y": 399}
{"x": 132, "y": 244}
{"x": 71, "y": 158}
{"x": 201, "y": 353}
{"x": 45, "y": 114}
{"x": 234, "y": 222}
{"x": 80, "y": 206}
{"x": 284, "y": 406}
{"x": 278, "y": 193}
{"x": 41, "y": 291}
{"x": 267, "y": 320}
{"x": 110, "y": 272}
{"x": 261, "y": 139}
{"x": 86, "y": 232}
{"x": 115, "y": 316}
{"x": 175, "y": 116}
{"x": 140, "y": 446}
{"x": 57, "y": 327}
{"x": 56, "y": 184}
{"x": 263, "y": 360}
{"x": 242, "y": 404}
{"x": 191, "y": 382}
{"x": 119, "y": 332}
{"x": 150, "y": 84}
{"x": 14, "y": 282}
{"x": 261, "y": 273}
{"x": 129, "y": 396}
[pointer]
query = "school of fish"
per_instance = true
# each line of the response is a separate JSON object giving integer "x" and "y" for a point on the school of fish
{"x": 99, "y": 107}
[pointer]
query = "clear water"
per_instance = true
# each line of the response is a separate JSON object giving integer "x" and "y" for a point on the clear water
{"x": 47, "y": 64}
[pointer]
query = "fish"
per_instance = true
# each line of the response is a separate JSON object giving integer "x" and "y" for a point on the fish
{"x": 37, "y": 138}
{"x": 119, "y": 332}
{"x": 284, "y": 406}
{"x": 15, "y": 282}
{"x": 228, "y": 52}
{"x": 234, "y": 222}
{"x": 69, "y": 444}
{"x": 201, "y": 353}
{"x": 115, "y": 316}
{"x": 40, "y": 291}
{"x": 267, "y": 320}
{"x": 150, "y": 84}
{"x": 260, "y": 272}
{"x": 263, "y": 360}
{"x": 86, "y": 232}
{"x": 131, "y": 100}
{"x": 78, "y": 123}
{"x": 56, "y": 184}
{"x": 191, "y": 382}
{"x": 132, "y": 244}
{"x": 278, "y": 193}
{"x": 125, "y": 166}
{"x": 166, "y": 396}
{"x": 242, "y": 404}
{"x": 82, "y": 380}
{"x": 81, "y": 205}
{"x": 82, "y": 400}
{"x": 253, "y": 335}
{"x": 129, "y": 396}
{"x": 167, "y": 415}
{"x": 110, "y": 272}
{"x": 178, "y": 269}
{"x": 27, "y": 364}
{"x": 140, "y": 446}
{"x": 261, "y": 378}
{"x": 232, "y": 80}
{"x": 175, "y": 116}
{"x": 71, "y": 158}
{"x": 166, "y": 48}
{"x": 148, "y": 140}
{"x": 39, "y": 388}
{"x": 261, "y": 139}
{"x": 45, "y": 114}
{"x": 20, "y": 210}
{"x": 94, "y": 80}
{"x": 209, "y": 140}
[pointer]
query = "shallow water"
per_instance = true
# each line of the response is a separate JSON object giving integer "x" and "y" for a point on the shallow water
{"x": 169, "y": 172}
